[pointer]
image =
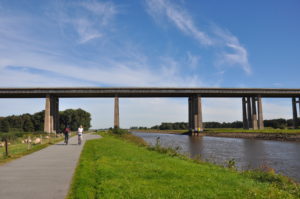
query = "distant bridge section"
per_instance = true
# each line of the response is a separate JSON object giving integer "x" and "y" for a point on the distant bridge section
{"x": 145, "y": 92}
{"x": 251, "y": 101}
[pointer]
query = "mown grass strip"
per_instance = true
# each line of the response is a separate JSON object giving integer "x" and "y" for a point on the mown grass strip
{"x": 113, "y": 168}
{"x": 19, "y": 150}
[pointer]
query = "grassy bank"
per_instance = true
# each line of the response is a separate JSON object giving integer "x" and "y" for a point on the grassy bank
{"x": 224, "y": 130}
{"x": 115, "y": 168}
{"x": 237, "y": 130}
{"x": 18, "y": 149}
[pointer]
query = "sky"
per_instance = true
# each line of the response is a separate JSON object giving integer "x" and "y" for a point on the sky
{"x": 149, "y": 43}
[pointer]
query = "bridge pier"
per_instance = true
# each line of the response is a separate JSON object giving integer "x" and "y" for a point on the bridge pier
{"x": 260, "y": 113}
{"x": 252, "y": 113}
{"x": 295, "y": 115}
{"x": 195, "y": 115}
{"x": 116, "y": 113}
{"x": 245, "y": 118}
{"x": 51, "y": 119}
{"x": 190, "y": 114}
{"x": 249, "y": 113}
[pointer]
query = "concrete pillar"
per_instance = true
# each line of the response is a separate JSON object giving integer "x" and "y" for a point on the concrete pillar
{"x": 294, "y": 112}
{"x": 52, "y": 112}
{"x": 116, "y": 114}
{"x": 297, "y": 121}
{"x": 197, "y": 114}
{"x": 254, "y": 114}
{"x": 51, "y": 119}
{"x": 249, "y": 111}
{"x": 56, "y": 114}
{"x": 47, "y": 123}
{"x": 260, "y": 113}
{"x": 245, "y": 119}
{"x": 199, "y": 121}
{"x": 190, "y": 109}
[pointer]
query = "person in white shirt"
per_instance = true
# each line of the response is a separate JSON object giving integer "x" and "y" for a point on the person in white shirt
{"x": 80, "y": 134}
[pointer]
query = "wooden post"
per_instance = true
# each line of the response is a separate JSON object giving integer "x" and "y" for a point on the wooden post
{"x": 6, "y": 147}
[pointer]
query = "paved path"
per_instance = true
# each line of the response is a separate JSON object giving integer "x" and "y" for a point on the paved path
{"x": 43, "y": 174}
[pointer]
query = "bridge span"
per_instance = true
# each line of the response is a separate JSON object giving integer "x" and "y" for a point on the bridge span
{"x": 251, "y": 100}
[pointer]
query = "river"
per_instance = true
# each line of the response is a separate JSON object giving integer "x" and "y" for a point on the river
{"x": 283, "y": 157}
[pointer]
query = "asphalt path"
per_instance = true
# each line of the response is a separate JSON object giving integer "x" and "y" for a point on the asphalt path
{"x": 44, "y": 174}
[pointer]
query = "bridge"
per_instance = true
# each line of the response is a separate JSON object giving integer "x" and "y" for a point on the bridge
{"x": 251, "y": 99}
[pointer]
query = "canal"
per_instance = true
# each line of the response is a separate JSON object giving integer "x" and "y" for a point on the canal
{"x": 283, "y": 157}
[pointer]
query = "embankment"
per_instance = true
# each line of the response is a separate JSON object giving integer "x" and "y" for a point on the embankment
{"x": 113, "y": 167}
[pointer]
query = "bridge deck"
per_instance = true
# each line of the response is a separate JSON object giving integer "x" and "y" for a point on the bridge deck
{"x": 145, "y": 92}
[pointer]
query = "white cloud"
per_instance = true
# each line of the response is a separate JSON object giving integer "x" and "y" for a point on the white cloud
{"x": 179, "y": 18}
{"x": 104, "y": 10}
{"x": 238, "y": 54}
{"x": 85, "y": 30}
{"x": 222, "y": 39}
{"x": 91, "y": 20}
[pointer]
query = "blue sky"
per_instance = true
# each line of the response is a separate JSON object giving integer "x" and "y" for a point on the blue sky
{"x": 149, "y": 43}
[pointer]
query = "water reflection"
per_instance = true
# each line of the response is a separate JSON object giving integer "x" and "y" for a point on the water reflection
{"x": 248, "y": 153}
{"x": 195, "y": 145}
{"x": 254, "y": 153}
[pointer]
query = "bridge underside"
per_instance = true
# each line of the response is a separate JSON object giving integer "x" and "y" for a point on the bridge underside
{"x": 145, "y": 92}
{"x": 251, "y": 101}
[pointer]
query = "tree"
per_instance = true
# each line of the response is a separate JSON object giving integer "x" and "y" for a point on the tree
{"x": 28, "y": 125}
{"x": 4, "y": 125}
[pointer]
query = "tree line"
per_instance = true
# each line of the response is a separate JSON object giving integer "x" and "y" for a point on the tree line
{"x": 35, "y": 122}
{"x": 273, "y": 123}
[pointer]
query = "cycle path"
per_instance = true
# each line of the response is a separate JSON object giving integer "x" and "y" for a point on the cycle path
{"x": 43, "y": 174}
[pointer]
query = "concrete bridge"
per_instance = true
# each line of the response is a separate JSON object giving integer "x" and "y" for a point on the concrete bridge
{"x": 251, "y": 101}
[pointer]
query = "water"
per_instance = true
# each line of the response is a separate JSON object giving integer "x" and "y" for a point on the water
{"x": 284, "y": 157}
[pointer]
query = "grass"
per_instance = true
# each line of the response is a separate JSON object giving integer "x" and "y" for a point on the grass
{"x": 226, "y": 130}
{"x": 116, "y": 168}
{"x": 17, "y": 149}
{"x": 240, "y": 130}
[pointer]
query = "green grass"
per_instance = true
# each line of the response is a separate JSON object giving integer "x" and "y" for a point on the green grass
{"x": 225, "y": 130}
{"x": 18, "y": 149}
{"x": 114, "y": 168}
{"x": 239, "y": 130}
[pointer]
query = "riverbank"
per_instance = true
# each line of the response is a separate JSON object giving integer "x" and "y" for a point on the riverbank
{"x": 112, "y": 167}
{"x": 265, "y": 134}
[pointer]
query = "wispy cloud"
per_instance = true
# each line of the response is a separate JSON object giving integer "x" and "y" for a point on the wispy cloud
{"x": 91, "y": 20}
{"x": 105, "y": 11}
{"x": 237, "y": 54}
{"x": 228, "y": 48}
{"x": 179, "y": 17}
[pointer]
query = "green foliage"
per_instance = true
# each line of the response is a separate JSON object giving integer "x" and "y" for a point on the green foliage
{"x": 231, "y": 164}
{"x": 117, "y": 131}
{"x": 113, "y": 168}
{"x": 4, "y": 125}
{"x": 75, "y": 118}
{"x": 28, "y": 125}
{"x": 35, "y": 122}
{"x": 274, "y": 123}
